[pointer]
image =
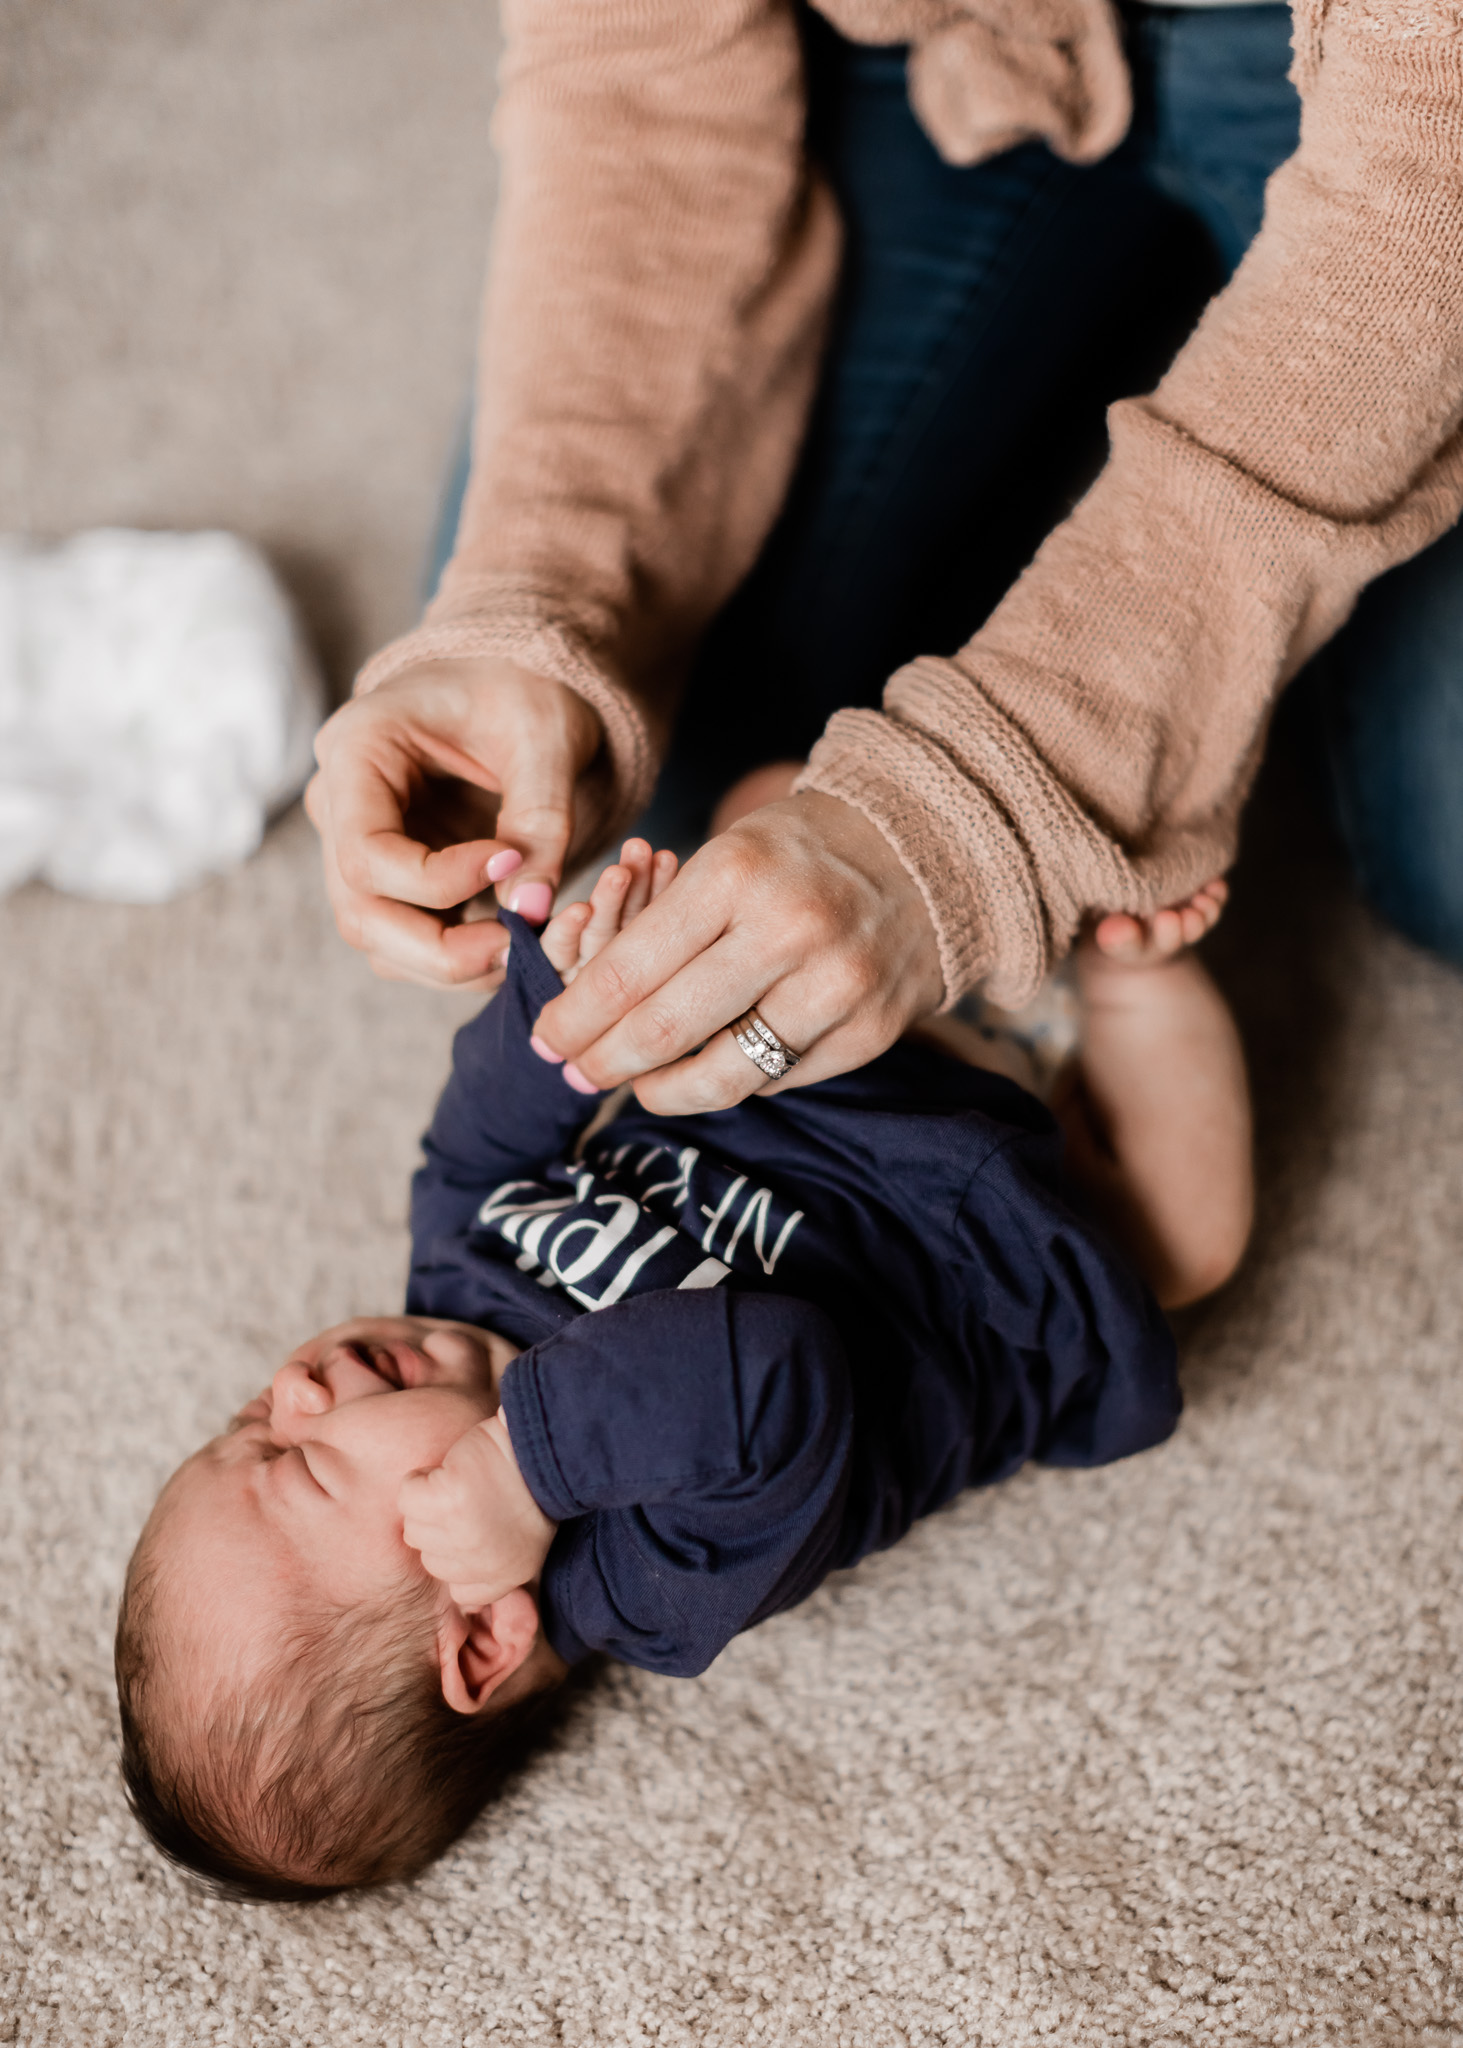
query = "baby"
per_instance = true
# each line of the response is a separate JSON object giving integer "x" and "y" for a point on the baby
{"x": 659, "y": 1377}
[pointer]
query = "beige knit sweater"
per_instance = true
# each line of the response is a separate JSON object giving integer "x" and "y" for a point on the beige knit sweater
{"x": 661, "y": 271}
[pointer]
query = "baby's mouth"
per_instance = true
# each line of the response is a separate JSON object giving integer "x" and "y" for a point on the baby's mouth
{"x": 400, "y": 1365}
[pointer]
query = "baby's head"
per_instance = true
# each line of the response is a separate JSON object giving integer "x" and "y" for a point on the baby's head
{"x": 303, "y": 1708}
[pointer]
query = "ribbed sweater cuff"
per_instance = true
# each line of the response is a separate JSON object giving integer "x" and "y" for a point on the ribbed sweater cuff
{"x": 483, "y": 616}
{"x": 983, "y": 906}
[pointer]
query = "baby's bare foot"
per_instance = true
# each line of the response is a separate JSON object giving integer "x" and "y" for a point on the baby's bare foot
{"x": 580, "y": 930}
{"x": 1159, "y": 934}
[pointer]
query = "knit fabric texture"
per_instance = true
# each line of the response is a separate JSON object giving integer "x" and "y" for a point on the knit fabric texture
{"x": 663, "y": 262}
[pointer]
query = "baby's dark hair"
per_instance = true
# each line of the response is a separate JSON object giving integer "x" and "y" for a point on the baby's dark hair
{"x": 345, "y": 1767}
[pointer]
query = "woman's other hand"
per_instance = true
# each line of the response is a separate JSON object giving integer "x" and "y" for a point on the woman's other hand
{"x": 802, "y": 909}
{"x": 445, "y": 781}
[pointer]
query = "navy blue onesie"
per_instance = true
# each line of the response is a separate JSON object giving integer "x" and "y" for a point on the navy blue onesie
{"x": 830, "y": 1311}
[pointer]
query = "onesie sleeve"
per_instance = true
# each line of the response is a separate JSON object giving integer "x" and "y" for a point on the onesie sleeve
{"x": 504, "y": 1112}
{"x": 696, "y": 1450}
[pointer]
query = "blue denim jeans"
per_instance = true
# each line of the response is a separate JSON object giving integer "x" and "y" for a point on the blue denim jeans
{"x": 987, "y": 318}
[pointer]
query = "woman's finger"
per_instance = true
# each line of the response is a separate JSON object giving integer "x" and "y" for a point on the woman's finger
{"x": 389, "y": 863}
{"x": 539, "y": 774}
{"x": 804, "y": 904}
{"x": 404, "y": 944}
{"x": 360, "y": 814}
{"x": 401, "y": 941}
{"x": 680, "y": 1043}
{"x": 698, "y": 999}
{"x": 720, "y": 1074}
{"x": 676, "y": 928}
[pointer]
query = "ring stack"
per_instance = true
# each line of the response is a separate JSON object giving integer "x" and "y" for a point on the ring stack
{"x": 763, "y": 1047}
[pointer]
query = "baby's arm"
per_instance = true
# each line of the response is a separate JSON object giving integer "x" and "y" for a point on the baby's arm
{"x": 1155, "y": 1110}
{"x": 695, "y": 1445}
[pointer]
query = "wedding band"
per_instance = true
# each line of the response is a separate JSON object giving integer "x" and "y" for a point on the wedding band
{"x": 762, "y": 1046}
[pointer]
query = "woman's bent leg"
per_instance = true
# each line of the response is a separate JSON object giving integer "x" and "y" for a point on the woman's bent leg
{"x": 1391, "y": 697}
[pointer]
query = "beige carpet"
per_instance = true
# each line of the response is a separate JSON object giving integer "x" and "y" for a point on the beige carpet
{"x": 1162, "y": 1754}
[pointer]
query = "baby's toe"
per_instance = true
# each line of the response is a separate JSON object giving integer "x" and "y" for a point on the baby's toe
{"x": 1119, "y": 935}
{"x": 607, "y": 911}
{"x": 1168, "y": 931}
{"x": 560, "y": 937}
{"x": 610, "y": 887}
{"x": 635, "y": 855}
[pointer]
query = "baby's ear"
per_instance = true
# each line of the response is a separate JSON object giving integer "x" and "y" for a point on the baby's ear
{"x": 479, "y": 1649}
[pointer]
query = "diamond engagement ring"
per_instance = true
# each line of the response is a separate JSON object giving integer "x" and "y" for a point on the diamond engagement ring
{"x": 763, "y": 1047}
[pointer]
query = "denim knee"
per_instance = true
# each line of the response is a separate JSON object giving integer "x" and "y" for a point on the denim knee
{"x": 1393, "y": 710}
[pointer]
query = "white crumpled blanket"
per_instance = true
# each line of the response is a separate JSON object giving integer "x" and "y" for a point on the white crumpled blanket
{"x": 157, "y": 703}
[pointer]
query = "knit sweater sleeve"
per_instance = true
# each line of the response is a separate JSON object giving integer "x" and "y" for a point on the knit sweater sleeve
{"x": 661, "y": 270}
{"x": 1091, "y": 746}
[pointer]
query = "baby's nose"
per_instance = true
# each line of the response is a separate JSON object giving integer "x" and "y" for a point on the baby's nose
{"x": 294, "y": 1395}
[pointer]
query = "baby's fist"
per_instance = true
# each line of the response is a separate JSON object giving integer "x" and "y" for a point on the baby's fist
{"x": 478, "y": 1528}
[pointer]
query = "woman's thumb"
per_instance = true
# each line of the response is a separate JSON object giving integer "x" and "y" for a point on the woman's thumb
{"x": 536, "y": 818}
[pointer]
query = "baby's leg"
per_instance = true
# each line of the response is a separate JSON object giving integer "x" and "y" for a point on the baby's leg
{"x": 996, "y": 1052}
{"x": 1157, "y": 1112}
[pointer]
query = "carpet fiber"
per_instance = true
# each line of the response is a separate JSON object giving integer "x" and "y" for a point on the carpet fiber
{"x": 1166, "y": 1753}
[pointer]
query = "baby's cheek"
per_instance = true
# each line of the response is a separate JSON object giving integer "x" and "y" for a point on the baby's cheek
{"x": 409, "y": 1434}
{"x": 458, "y": 1352}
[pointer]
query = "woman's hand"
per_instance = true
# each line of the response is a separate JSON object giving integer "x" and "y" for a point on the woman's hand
{"x": 803, "y": 909}
{"x": 473, "y": 1520}
{"x": 449, "y": 779}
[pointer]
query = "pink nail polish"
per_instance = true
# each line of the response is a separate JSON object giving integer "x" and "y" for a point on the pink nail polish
{"x": 577, "y": 1080}
{"x": 504, "y": 864}
{"x": 545, "y": 1052}
{"x": 533, "y": 901}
